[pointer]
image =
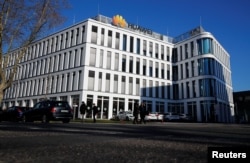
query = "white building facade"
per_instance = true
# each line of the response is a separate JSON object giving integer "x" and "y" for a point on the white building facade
{"x": 100, "y": 61}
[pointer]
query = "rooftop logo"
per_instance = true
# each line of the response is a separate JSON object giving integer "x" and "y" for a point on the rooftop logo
{"x": 119, "y": 21}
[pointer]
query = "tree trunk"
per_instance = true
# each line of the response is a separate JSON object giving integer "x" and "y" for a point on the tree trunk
{"x": 1, "y": 96}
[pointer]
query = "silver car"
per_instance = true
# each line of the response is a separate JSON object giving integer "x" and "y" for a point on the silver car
{"x": 171, "y": 116}
{"x": 125, "y": 115}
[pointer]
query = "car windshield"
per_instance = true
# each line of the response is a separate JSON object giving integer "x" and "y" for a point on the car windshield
{"x": 61, "y": 104}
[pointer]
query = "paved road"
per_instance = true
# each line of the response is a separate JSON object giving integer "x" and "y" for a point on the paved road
{"x": 125, "y": 142}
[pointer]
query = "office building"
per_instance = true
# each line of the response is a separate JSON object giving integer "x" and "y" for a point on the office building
{"x": 115, "y": 64}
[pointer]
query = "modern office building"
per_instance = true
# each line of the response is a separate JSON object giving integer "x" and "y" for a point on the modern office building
{"x": 114, "y": 64}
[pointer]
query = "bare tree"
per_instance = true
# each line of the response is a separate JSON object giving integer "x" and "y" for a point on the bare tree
{"x": 21, "y": 23}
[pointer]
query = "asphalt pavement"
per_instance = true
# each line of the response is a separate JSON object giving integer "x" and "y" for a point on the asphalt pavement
{"x": 116, "y": 142}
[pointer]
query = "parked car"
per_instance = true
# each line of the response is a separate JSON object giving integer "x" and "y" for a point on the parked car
{"x": 125, "y": 115}
{"x": 46, "y": 111}
{"x": 171, "y": 116}
{"x": 14, "y": 113}
{"x": 154, "y": 117}
{"x": 186, "y": 117}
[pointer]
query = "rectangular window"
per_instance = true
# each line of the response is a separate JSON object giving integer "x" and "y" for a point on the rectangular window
{"x": 116, "y": 61}
{"x": 144, "y": 47}
{"x": 124, "y": 44}
{"x": 130, "y": 85}
{"x": 72, "y": 41}
{"x": 138, "y": 47}
{"x": 137, "y": 86}
{"x": 144, "y": 67}
{"x": 150, "y": 68}
{"x": 131, "y": 49}
{"x": 181, "y": 53}
{"x": 156, "y": 51}
{"x": 123, "y": 87}
{"x": 131, "y": 64}
{"x": 94, "y": 35}
{"x": 192, "y": 48}
{"x": 107, "y": 88}
{"x": 168, "y": 72}
{"x": 100, "y": 82}
{"x": 137, "y": 65}
{"x": 83, "y": 32}
{"x": 181, "y": 69}
{"x": 157, "y": 89}
{"x": 162, "y": 52}
{"x": 66, "y": 40}
{"x": 108, "y": 60}
{"x": 124, "y": 63}
{"x": 156, "y": 69}
{"x": 109, "y": 38}
{"x": 68, "y": 83}
{"x": 150, "y": 88}
{"x": 192, "y": 64}
{"x": 193, "y": 86}
{"x": 117, "y": 40}
{"x": 144, "y": 89}
{"x": 102, "y": 36}
{"x": 116, "y": 84}
{"x": 150, "y": 49}
{"x": 188, "y": 90}
{"x": 74, "y": 84}
{"x": 101, "y": 59}
{"x": 168, "y": 54}
{"x": 91, "y": 80}
{"x": 186, "y": 51}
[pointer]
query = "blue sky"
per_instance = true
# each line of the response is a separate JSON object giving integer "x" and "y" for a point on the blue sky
{"x": 227, "y": 20}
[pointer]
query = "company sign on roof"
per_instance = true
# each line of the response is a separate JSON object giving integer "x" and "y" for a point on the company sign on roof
{"x": 119, "y": 21}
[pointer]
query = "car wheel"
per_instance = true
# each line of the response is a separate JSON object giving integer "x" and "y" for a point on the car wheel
{"x": 127, "y": 118}
{"x": 45, "y": 119}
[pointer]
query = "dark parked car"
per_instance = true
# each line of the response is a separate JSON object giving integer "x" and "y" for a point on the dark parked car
{"x": 14, "y": 113}
{"x": 46, "y": 111}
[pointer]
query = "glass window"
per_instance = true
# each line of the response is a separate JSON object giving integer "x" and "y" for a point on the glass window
{"x": 100, "y": 81}
{"x": 108, "y": 60}
{"x": 94, "y": 35}
{"x": 205, "y": 46}
{"x": 138, "y": 47}
{"x": 124, "y": 63}
{"x": 109, "y": 38}
{"x": 92, "y": 59}
{"x": 123, "y": 87}
{"x": 101, "y": 59}
{"x": 130, "y": 85}
{"x": 117, "y": 40}
{"x": 124, "y": 47}
{"x": 207, "y": 87}
{"x": 131, "y": 64}
{"x": 131, "y": 44}
{"x": 116, "y": 61}
{"x": 137, "y": 65}
{"x": 91, "y": 80}
{"x": 107, "y": 88}
{"x": 102, "y": 36}
{"x": 116, "y": 84}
